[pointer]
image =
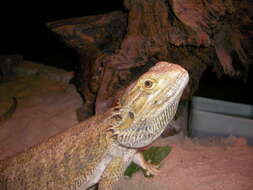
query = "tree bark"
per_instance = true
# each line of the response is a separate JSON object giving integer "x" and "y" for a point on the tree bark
{"x": 116, "y": 48}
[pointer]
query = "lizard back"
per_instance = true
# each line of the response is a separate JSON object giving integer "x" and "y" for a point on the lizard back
{"x": 58, "y": 162}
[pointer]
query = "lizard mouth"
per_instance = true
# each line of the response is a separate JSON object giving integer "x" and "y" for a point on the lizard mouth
{"x": 180, "y": 84}
{"x": 148, "y": 129}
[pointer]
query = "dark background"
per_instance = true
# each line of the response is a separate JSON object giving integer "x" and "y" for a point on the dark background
{"x": 23, "y": 31}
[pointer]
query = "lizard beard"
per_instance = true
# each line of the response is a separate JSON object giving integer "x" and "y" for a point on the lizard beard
{"x": 146, "y": 131}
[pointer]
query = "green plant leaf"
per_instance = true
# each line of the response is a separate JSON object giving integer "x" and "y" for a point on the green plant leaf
{"x": 154, "y": 154}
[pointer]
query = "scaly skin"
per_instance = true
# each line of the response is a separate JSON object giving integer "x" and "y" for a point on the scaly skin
{"x": 100, "y": 148}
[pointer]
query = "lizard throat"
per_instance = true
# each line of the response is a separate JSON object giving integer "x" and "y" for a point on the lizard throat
{"x": 146, "y": 131}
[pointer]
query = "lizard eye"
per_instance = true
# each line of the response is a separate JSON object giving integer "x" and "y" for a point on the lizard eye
{"x": 148, "y": 84}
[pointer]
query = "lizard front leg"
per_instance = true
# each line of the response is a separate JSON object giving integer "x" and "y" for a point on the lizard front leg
{"x": 150, "y": 169}
{"x": 112, "y": 173}
{"x": 116, "y": 169}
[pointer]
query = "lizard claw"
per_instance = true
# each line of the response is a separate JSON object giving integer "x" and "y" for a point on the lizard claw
{"x": 151, "y": 169}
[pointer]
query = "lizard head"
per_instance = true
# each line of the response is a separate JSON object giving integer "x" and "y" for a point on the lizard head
{"x": 149, "y": 104}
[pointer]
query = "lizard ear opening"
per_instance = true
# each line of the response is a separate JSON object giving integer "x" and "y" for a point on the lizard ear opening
{"x": 131, "y": 115}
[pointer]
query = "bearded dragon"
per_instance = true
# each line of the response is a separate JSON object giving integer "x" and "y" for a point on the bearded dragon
{"x": 99, "y": 149}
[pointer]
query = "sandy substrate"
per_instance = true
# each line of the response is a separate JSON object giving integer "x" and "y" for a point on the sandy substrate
{"x": 47, "y": 107}
{"x": 225, "y": 164}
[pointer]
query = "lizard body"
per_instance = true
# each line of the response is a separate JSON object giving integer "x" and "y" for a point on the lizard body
{"x": 100, "y": 148}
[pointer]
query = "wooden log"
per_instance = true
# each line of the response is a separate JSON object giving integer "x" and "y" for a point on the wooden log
{"x": 193, "y": 33}
{"x": 93, "y": 37}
